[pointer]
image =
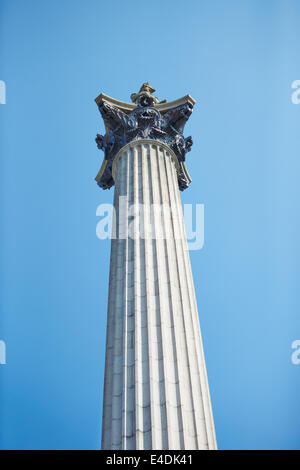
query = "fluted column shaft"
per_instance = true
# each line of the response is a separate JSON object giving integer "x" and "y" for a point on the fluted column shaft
{"x": 156, "y": 392}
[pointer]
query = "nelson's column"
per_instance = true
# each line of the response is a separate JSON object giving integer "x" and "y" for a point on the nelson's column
{"x": 156, "y": 393}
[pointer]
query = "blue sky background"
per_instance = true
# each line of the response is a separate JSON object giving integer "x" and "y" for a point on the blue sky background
{"x": 238, "y": 59}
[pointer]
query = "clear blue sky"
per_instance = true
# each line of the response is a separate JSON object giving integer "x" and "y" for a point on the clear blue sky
{"x": 238, "y": 59}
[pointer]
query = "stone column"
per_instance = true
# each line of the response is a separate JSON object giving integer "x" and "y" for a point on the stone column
{"x": 156, "y": 392}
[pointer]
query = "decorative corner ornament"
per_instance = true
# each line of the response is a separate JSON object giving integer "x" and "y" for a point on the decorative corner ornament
{"x": 146, "y": 119}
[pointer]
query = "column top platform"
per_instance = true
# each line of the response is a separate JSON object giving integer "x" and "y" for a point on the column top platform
{"x": 162, "y": 107}
{"x": 145, "y": 118}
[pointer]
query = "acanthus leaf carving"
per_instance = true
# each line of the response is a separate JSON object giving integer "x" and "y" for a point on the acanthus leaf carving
{"x": 143, "y": 122}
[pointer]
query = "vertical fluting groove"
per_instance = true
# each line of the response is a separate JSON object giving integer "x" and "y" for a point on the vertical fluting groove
{"x": 143, "y": 403}
{"x": 143, "y": 428}
{"x": 152, "y": 342}
{"x": 141, "y": 289}
{"x": 174, "y": 259}
{"x": 171, "y": 378}
{"x": 117, "y": 365}
{"x": 161, "y": 300}
{"x": 125, "y": 332}
{"x": 137, "y": 312}
{"x": 192, "y": 315}
{"x": 204, "y": 415}
{"x": 107, "y": 396}
{"x": 160, "y": 438}
{"x": 145, "y": 255}
{"x": 130, "y": 269}
{"x": 188, "y": 327}
{"x": 128, "y": 367}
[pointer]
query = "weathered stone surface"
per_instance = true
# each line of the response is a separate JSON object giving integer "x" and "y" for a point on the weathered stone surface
{"x": 156, "y": 392}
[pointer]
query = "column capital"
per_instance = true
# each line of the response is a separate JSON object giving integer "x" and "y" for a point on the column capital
{"x": 145, "y": 118}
